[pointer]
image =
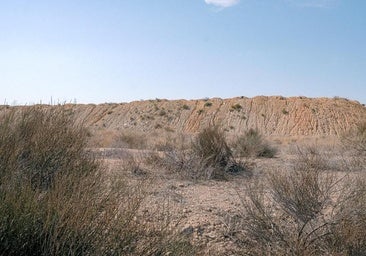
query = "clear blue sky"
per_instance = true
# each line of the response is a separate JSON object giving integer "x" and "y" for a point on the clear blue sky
{"x": 99, "y": 51}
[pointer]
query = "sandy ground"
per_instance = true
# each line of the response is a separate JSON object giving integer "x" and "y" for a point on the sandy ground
{"x": 198, "y": 209}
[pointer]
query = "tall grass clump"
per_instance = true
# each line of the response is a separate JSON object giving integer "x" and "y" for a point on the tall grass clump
{"x": 252, "y": 144}
{"x": 55, "y": 198}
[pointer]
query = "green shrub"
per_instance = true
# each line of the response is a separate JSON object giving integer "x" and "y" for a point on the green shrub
{"x": 236, "y": 107}
{"x": 185, "y": 107}
{"x": 162, "y": 112}
{"x": 208, "y": 104}
{"x": 252, "y": 144}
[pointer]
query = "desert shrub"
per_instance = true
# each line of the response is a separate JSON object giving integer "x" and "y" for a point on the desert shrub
{"x": 354, "y": 147}
{"x": 252, "y": 144}
{"x": 169, "y": 129}
{"x": 131, "y": 164}
{"x": 176, "y": 156}
{"x": 185, "y": 107}
{"x": 206, "y": 157}
{"x": 185, "y": 163}
{"x": 162, "y": 112}
{"x": 158, "y": 126}
{"x": 236, "y": 107}
{"x": 302, "y": 211}
{"x": 55, "y": 198}
{"x": 215, "y": 156}
{"x": 349, "y": 233}
{"x": 131, "y": 139}
{"x": 208, "y": 104}
{"x": 173, "y": 141}
{"x": 37, "y": 144}
{"x": 211, "y": 147}
{"x": 287, "y": 217}
{"x": 315, "y": 157}
{"x": 47, "y": 186}
{"x": 355, "y": 139}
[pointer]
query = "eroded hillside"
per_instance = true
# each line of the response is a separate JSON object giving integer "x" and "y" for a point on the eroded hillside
{"x": 273, "y": 116}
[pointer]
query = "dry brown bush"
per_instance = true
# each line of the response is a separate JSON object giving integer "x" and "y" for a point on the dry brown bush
{"x": 289, "y": 217}
{"x": 354, "y": 144}
{"x": 355, "y": 139}
{"x": 131, "y": 139}
{"x": 317, "y": 157}
{"x": 207, "y": 157}
{"x": 252, "y": 144}
{"x": 211, "y": 147}
{"x": 349, "y": 235}
{"x": 55, "y": 198}
{"x": 302, "y": 211}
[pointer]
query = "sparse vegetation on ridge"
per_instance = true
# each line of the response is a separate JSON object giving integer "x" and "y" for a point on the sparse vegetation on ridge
{"x": 208, "y": 104}
{"x": 185, "y": 107}
{"x": 236, "y": 107}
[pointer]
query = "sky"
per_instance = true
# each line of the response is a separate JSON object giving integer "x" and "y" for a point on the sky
{"x": 98, "y": 51}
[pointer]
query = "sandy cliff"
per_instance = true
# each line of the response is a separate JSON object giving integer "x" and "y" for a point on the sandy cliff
{"x": 276, "y": 115}
{"x": 273, "y": 116}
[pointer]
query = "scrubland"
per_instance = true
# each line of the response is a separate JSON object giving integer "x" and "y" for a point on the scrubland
{"x": 204, "y": 193}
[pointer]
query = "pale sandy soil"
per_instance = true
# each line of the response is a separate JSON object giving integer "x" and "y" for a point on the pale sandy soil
{"x": 198, "y": 209}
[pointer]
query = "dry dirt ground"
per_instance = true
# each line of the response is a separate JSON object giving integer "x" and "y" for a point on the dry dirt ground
{"x": 199, "y": 209}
